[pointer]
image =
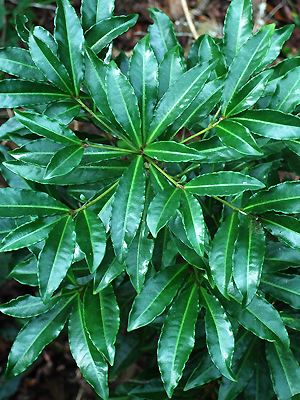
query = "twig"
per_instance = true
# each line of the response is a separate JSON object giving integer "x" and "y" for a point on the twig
{"x": 189, "y": 19}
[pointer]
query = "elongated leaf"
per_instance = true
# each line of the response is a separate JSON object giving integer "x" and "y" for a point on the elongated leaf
{"x": 26, "y": 307}
{"x": 172, "y": 152}
{"x": 19, "y": 203}
{"x": 101, "y": 315}
{"x": 64, "y": 161}
{"x": 45, "y": 126}
{"x": 291, "y": 320}
{"x": 127, "y": 207}
{"x": 16, "y": 61}
{"x": 36, "y": 335}
{"x": 63, "y": 111}
{"x": 56, "y": 257}
{"x": 91, "y": 237}
{"x": 156, "y": 295}
{"x": 222, "y": 251}
{"x": 93, "y": 155}
{"x": 238, "y": 137}
{"x": 143, "y": 75}
{"x": 279, "y": 37}
{"x": 25, "y": 272}
{"x": 126, "y": 109}
{"x": 89, "y": 360}
{"x": 162, "y": 208}
{"x": 69, "y": 36}
{"x": 177, "y": 337}
{"x": 249, "y": 94}
{"x": 204, "y": 372}
{"x": 193, "y": 222}
{"x": 248, "y": 258}
{"x": 19, "y": 93}
{"x": 262, "y": 319}
{"x": 270, "y": 123}
{"x": 106, "y": 275}
{"x": 219, "y": 335}
{"x": 238, "y": 27}
{"x": 245, "y": 63}
{"x": 171, "y": 68}
{"x": 287, "y": 95}
{"x": 287, "y": 229}
{"x": 223, "y": 183}
{"x": 172, "y": 105}
{"x": 162, "y": 35}
{"x": 93, "y": 11}
{"x": 285, "y": 371}
{"x": 28, "y": 234}
{"x": 283, "y": 287}
{"x": 104, "y": 32}
{"x": 48, "y": 62}
{"x": 283, "y": 198}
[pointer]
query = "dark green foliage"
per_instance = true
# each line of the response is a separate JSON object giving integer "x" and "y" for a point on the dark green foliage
{"x": 173, "y": 222}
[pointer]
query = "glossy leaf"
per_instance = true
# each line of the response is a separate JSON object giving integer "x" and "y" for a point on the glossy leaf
{"x": 95, "y": 11}
{"x": 91, "y": 237}
{"x": 172, "y": 152}
{"x": 64, "y": 161}
{"x": 25, "y": 272}
{"x": 287, "y": 229}
{"x": 248, "y": 258}
{"x": 287, "y": 95}
{"x": 284, "y": 287}
{"x": 56, "y": 257}
{"x": 205, "y": 372}
{"x": 89, "y": 360}
{"x": 177, "y": 337}
{"x": 101, "y": 316}
{"x": 127, "y": 207}
{"x": 223, "y": 183}
{"x": 26, "y": 306}
{"x": 157, "y": 293}
{"x": 279, "y": 37}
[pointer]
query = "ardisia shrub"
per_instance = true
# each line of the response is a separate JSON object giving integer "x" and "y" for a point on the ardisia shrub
{"x": 152, "y": 204}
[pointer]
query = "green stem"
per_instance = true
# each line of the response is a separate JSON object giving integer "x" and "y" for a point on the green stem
{"x": 103, "y": 146}
{"x": 164, "y": 173}
{"x": 92, "y": 202}
{"x": 188, "y": 169}
{"x": 210, "y": 127}
{"x": 230, "y": 205}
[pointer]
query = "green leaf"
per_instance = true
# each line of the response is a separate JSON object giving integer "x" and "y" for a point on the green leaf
{"x": 271, "y": 124}
{"x": 101, "y": 316}
{"x": 91, "y": 238}
{"x": 25, "y": 272}
{"x": 287, "y": 95}
{"x": 236, "y": 136}
{"x": 28, "y": 234}
{"x": 93, "y": 155}
{"x": 157, "y": 293}
{"x": 143, "y": 74}
{"x": 205, "y": 372}
{"x": 45, "y": 126}
{"x": 64, "y": 161}
{"x": 245, "y": 63}
{"x": 89, "y": 360}
{"x": 285, "y": 371}
{"x": 63, "y": 111}
{"x": 36, "y": 335}
{"x": 172, "y": 105}
{"x": 193, "y": 222}
{"x": 93, "y": 11}
{"x": 280, "y": 36}
{"x": 292, "y": 321}
{"x": 26, "y": 307}
{"x": 22, "y": 202}
{"x": 126, "y": 109}
{"x": 162, "y": 35}
{"x": 162, "y": 208}
{"x": 104, "y": 32}
{"x": 170, "y": 151}
{"x": 238, "y": 27}
{"x": 138, "y": 258}
{"x": 219, "y": 335}
{"x": 282, "y": 198}
{"x": 127, "y": 207}
{"x": 286, "y": 228}
{"x": 48, "y": 62}
{"x": 223, "y": 183}
{"x": 249, "y": 258}
{"x": 177, "y": 337}
{"x": 222, "y": 251}
{"x": 171, "y": 68}
{"x": 107, "y": 274}
{"x": 56, "y": 257}
{"x": 19, "y": 93}
{"x": 249, "y": 94}
{"x": 262, "y": 319}
{"x": 283, "y": 287}
{"x": 16, "y": 61}
{"x": 69, "y": 36}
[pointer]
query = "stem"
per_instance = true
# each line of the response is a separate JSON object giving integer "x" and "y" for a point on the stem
{"x": 189, "y": 19}
{"x": 92, "y": 202}
{"x": 177, "y": 184}
{"x": 210, "y": 126}
{"x": 230, "y": 205}
{"x": 188, "y": 169}
{"x": 103, "y": 146}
